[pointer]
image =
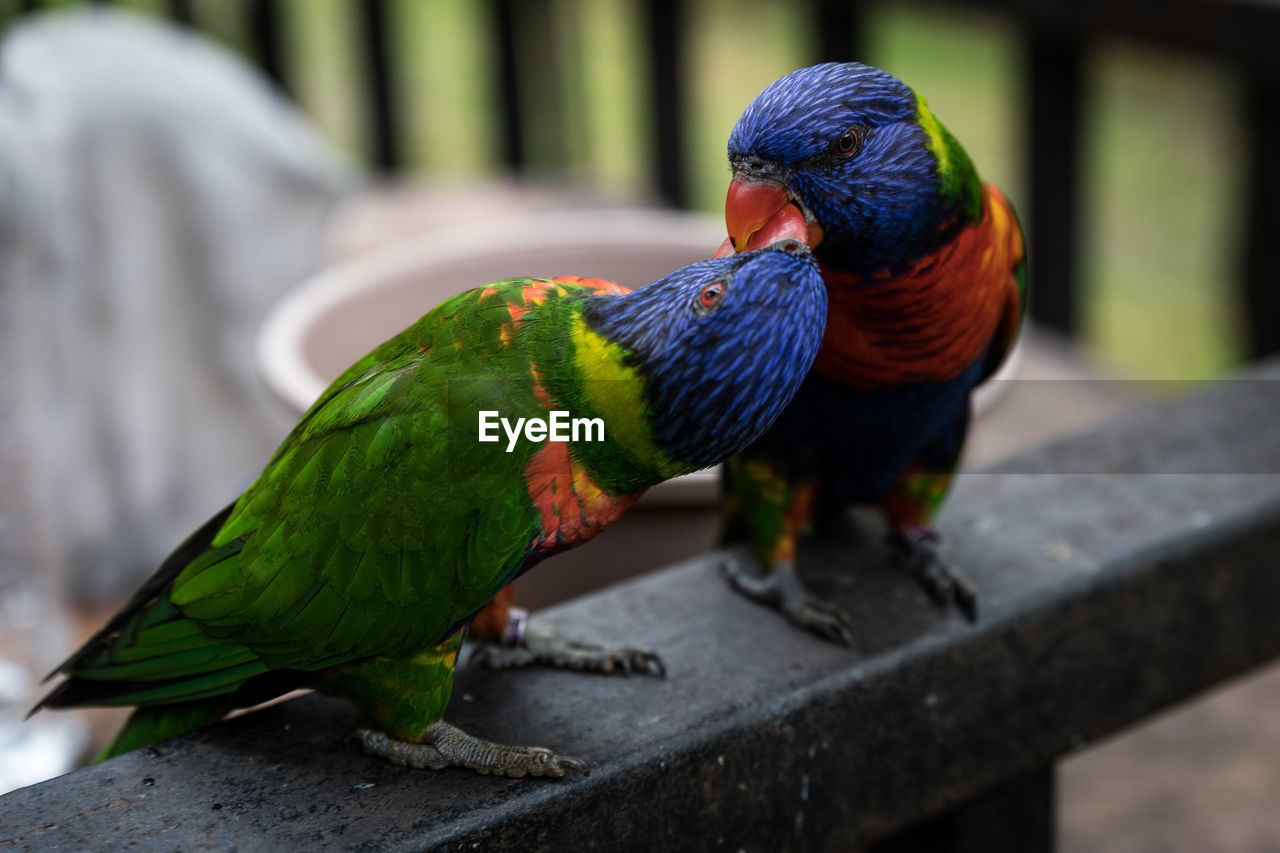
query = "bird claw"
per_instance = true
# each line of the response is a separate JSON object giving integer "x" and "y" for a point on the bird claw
{"x": 444, "y": 745}
{"x": 826, "y": 620}
{"x": 919, "y": 553}
{"x": 783, "y": 590}
{"x": 548, "y": 647}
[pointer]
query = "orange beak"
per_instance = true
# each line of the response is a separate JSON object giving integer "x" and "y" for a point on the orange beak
{"x": 760, "y": 213}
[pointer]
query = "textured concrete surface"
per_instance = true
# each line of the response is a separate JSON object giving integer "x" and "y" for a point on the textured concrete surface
{"x": 1112, "y": 586}
{"x": 1204, "y": 777}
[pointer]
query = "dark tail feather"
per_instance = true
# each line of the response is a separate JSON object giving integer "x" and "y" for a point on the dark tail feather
{"x": 169, "y": 569}
{"x": 154, "y": 723}
{"x": 72, "y": 693}
{"x": 87, "y": 692}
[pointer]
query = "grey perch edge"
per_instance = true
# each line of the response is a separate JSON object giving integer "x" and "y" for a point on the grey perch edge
{"x": 1120, "y": 571}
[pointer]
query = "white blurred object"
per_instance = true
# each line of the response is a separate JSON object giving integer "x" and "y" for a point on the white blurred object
{"x": 33, "y": 638}
{"x": 156, "y": 196}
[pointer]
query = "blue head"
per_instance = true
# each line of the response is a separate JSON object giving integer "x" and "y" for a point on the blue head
{"x": 721, "y": 347}
{"x": 854, "y": 151}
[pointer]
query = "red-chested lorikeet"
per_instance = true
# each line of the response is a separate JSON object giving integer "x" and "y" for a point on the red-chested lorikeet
{"x": 383, "y": 523}
{"x": 925, "y": 271}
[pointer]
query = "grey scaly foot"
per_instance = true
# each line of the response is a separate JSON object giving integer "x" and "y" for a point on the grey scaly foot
{"x": 783, "y": 589}
{"x": 444, "y": 746}
{"x": 527, "y": 644}
{"x": 920, "y": 553}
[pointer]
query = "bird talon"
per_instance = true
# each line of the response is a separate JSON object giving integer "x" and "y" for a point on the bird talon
{"x": 827, "y": 621}
{"x": 548, "y": 647}
{"x": 444, "y": 745}
{"x": 653, "y": 665}
{"x": 755, "y": 587}
{"x": 919, "y": 553}
{"x": 782, "y": 589}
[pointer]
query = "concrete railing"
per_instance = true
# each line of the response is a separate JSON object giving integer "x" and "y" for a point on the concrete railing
{"x": 1120, "y": 572}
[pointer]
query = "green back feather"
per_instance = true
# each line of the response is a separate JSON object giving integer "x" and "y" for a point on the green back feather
{"x": 378, "y": 526}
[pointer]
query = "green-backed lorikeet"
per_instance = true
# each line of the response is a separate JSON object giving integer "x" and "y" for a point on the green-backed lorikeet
{"x": 386, "y": 520}
{"x": 925, "y": 271}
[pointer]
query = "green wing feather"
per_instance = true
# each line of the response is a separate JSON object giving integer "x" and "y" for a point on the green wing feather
{"x": 376, "y": 528}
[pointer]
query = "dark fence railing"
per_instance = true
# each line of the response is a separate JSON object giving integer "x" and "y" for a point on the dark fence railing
{"x": 1242, "y": 35}
{"x": 506, "y": 45}
{"x": 267, "y": 37}
{"x": 668, "y": 83}
{"x": 385, "y": 144}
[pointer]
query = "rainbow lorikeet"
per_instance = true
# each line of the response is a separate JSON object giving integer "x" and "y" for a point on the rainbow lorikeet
{"x": 925, "y": 271}
{"x": 391, "y": 514}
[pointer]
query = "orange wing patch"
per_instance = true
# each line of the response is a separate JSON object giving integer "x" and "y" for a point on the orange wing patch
{"x": 573, "y": 507}
{"x": 540, "y": 392}
{"x": 599, "y": 285}
{"x": 535, "y": 294}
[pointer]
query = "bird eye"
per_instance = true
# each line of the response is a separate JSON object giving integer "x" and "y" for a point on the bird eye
{"x": 847, "y": 143}
{"x": 710, "y": 296}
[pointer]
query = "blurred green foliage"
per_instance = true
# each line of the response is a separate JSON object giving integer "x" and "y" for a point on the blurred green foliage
{"x": 1162, "y": 176}
{"x": 1161, "y": 159}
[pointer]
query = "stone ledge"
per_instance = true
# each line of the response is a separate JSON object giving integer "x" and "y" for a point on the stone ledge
{"x": 1106, "y": 597}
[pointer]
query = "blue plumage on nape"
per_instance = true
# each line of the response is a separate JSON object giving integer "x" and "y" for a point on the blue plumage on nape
{"x": 713, "y": 401}
{"x": 879, "y": 207}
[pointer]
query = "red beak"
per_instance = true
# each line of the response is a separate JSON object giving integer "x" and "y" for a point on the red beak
{"x": 760, "y": 213}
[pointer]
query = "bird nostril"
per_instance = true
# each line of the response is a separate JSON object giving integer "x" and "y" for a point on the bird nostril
{"x": 796, "y": 248}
